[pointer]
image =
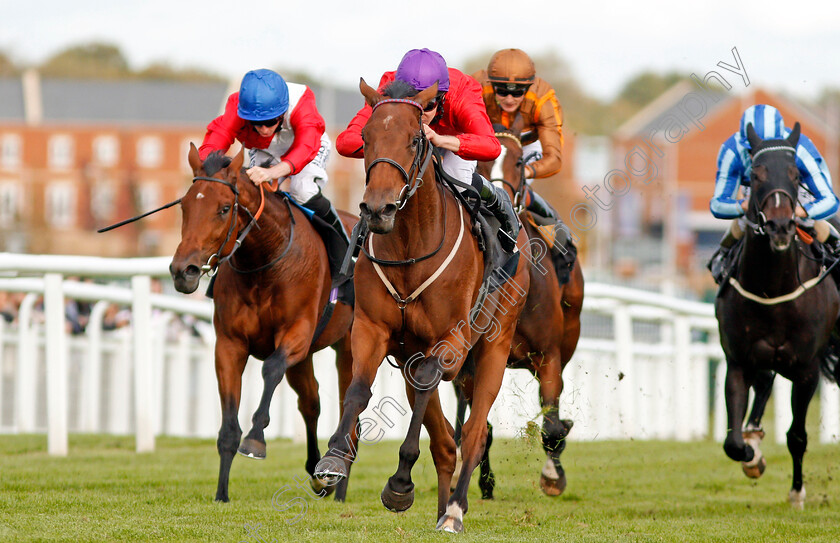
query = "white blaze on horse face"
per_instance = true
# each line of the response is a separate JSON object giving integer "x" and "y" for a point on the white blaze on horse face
{"x": 496, "y": 172}
{"x": 778, "y": 201}
{"x": 387, "y": 121}
{"x": 199, "y": 196}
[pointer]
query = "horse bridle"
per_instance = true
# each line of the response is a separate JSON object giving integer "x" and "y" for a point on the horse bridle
{"x": 211, "y": 267}
{"x": 761, "y": 219}
{"x": 518, "y": 192}
{"x": 414, "y": 176}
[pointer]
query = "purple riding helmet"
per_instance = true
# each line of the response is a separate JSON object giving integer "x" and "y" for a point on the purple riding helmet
{"x": 420, "y": 68}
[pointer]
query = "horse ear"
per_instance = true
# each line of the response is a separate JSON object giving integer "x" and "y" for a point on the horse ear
{"x": 194, "y": 159}
{"x": 518, "y": 124}
{"x": 424, "y": 96}
{"x": 752, "y": 137}
{"x": 793, "y": 138}
{"x": 371, "y": 96}
{"x": 236, "y": 163}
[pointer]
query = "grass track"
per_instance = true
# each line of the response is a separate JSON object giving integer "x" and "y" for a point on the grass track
{"x": 618, "y": 491}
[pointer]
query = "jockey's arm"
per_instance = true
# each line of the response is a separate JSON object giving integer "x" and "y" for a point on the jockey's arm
{"x": 725, "y": 203}
{"x": 817, "y": 179}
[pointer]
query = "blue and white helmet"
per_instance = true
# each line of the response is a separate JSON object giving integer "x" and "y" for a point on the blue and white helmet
{"x": 766, "y": 120}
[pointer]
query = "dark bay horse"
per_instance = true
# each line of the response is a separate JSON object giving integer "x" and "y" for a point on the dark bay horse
{"x": 271, "y": 289}
{"x": 549, "y": 328}
{"x": 416, "y": 293}
{"x": 776, "y": 312}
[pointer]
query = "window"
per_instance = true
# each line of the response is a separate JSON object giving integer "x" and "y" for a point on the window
{"x": 102, "y": 201}
{"x": 106, "y": 150}
{"x": 61, "y": 204}
{"x": 148, "y": 196}
{"x": 9, "y": 203}
{"x": 149, "y": 152}
{"x": 10, "y": 151}
{"x": 60, "y": 151}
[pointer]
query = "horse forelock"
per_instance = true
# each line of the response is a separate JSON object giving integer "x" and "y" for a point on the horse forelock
{"x": 399, "y": 89}
{"x": 215, "y": 162}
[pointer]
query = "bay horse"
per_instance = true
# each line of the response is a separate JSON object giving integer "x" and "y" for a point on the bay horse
{"x": 417, "y": 285}
{"x": 776, "y": 312}
{"x": 272, "y": 285}
{"x": 548, "y": 330}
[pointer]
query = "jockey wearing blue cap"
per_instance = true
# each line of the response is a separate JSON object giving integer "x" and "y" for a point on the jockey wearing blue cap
{"x": 817, "y": 200}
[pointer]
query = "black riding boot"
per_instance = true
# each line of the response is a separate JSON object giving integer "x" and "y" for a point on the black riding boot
{"x": 717, "y": 264}
{"x": 541, "y": 207}
{"x": 498, "y": 203}
{"x": 324, "y": 210}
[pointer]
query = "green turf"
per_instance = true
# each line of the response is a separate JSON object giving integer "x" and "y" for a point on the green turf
{"x": 618, "y": 491}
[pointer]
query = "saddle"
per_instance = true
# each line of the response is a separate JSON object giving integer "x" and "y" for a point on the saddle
{"x": 563, "y": 250}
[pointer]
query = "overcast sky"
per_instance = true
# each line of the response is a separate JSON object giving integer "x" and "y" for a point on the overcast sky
{"x": 793, "y": 46}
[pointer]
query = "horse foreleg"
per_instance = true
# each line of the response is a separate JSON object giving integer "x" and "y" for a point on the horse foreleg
{"x": 554, "y": 432}
{"x": 486, "y": 478}
{"x": 463, "y": 392}
{"x": 229, "y": 367}
{"x": 369, "y": 346}
{"x": 398, "y": 494}
{"x": 344, "y": 365}
{"x": 797, "y": 437}
{"x": 488, "y": 380}
{"x": 748, "y": 453}
{"x": 274, "y": 367}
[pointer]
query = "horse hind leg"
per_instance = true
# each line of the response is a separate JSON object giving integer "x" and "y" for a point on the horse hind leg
{"x": 301, "y": 378}
{"x": 486, "y": 477}
{"x": 797, "y": 437}
{"x": 274, "y": 367}
{"x": 753, "y": 433}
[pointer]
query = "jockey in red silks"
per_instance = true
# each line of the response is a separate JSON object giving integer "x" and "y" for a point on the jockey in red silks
{"x": 455, "y": 122}
{"x": 279, "y": 124}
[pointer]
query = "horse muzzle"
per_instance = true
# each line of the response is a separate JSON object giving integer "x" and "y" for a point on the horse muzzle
{"x": 381, "y": 219}
{"x": 781, "y": 233}
{"x": 185, "y": 277}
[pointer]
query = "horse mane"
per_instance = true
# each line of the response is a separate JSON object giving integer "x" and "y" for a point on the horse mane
{"x": 215, "y": 161}
{"x": 399, "y": 89}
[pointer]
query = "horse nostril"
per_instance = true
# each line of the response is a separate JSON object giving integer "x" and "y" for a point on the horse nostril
{"x": 389, "y": 209}
{"x": 192, "y": 271}
{"x": 364, "y": 209}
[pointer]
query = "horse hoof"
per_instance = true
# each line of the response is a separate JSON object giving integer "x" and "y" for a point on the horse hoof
{"x": 252, "y": 449}
{"x": 797, "y": 499}
{"x": 319, "y": 486}
{"x": 452, "y": 520}
{"x": 396, "y": 501}
{"x": 330, "y": 470}
{"x": 755, "y": 467}
{"x": 552, "y": 487}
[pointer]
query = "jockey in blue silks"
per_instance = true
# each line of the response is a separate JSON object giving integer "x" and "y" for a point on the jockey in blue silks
{"x": 817, "y": 200}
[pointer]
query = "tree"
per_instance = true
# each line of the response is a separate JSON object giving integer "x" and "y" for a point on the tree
{"x": 162, "y": 70}
{"x": 7, "y": 66}
{"x": 91, "y": 60}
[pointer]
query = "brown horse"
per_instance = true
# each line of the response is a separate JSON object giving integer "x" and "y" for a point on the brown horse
{"x": 548, "y": 330}
{"x": 421, "y": 255}
{"x": 271, "y": 290}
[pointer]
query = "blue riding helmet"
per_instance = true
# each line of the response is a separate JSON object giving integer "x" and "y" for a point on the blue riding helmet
{"x": 263, "y": 96}
{"x": 766, "y": 120}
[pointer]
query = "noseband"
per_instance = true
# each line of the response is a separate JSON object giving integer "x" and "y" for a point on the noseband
{"x": 414, "y": 176}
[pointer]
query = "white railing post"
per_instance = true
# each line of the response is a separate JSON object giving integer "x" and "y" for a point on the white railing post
{"x": 92, "y": 378}
{"x": 56, "y": 353}
{"x": 26, "y": 374}
{"x": 625, "y": 421}
{"x": 782, "y": 389}
{"x": 682, "y": 385}
{"x": 144, "y": 390}
{"x": 829, "y": 412}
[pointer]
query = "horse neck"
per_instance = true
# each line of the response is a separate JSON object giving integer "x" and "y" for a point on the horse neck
{"x": 763, "y": 270}
{"x": 418, "y": 226}
{"x": 268, "y": 237}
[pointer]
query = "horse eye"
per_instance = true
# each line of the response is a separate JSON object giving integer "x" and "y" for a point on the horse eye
{"x": 224, "y": 210}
